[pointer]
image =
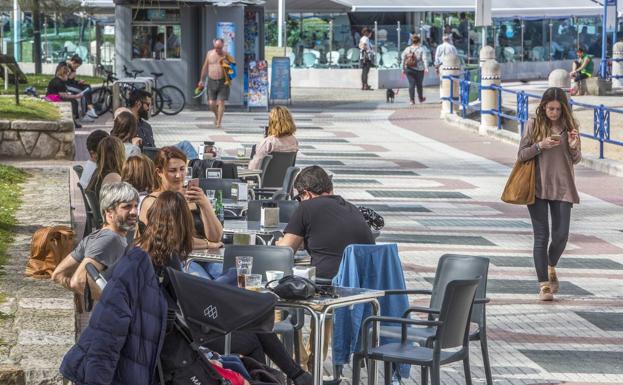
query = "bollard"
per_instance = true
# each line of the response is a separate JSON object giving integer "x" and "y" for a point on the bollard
{"x": 449, "y": 89}
{"x": 559, "y": 78}
{"x": 486, "y": 53}
{"x": 617, "y": 65}
{"x": 491, "y": 75}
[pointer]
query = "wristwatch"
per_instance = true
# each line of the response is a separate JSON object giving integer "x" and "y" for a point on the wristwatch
{"x": 538, "y": 147}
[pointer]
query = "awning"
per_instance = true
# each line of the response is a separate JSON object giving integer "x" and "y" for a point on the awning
{"x": 217, "y": 3}
{"x": 500, "y": 8}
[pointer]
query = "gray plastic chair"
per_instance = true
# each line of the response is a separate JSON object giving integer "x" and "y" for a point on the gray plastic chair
{"x": 90, "y": 223}
{"x": 78, "y": 169}
{"x": 451, "y": 342}
{"x": 275, "y": 171}
{"x": 93, "y": 202}
{"x": 218, "y": 184}
{"x": 264, "y": 258}
{"x": 285, "y": 192}
{"x": 451, "y": 267}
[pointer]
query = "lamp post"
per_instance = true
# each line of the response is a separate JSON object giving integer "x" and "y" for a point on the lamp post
{"x": 16, "y": 31}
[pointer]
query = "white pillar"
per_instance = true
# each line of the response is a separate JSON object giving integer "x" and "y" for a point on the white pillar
{"x": 617, "y": 66}
{"x": 491, "y": 74}
{"x": 486, "y": 53}
{"x": 559, "y": 78}
{"x": 17, "y": 52}
{"x": 281, "y": 21}
{"x": 451, "y": 66}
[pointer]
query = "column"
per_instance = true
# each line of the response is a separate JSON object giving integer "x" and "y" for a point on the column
{"x": 617, "y": 66}
{"x": 451, "y": 66}
{"x": 491, "y": 74}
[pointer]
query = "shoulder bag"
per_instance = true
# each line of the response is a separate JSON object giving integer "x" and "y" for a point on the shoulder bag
{"x": 520, "y": 188}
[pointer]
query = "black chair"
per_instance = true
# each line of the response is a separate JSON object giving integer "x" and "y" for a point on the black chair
{"x": 449, "y": 268}
{"x": 286, "y": 209}
{"x": 451, "y": 342}
{"x": 151, "y": 152}
{"x": 93, "y": 202}
{"x": 90, "y": 223}
{"x": 78, "y": 169}
{"x": 275, "y": 171}
{"x": 264, "y": 258}
{"x": 218, "y": 184}
{"x": 283, "y": 193}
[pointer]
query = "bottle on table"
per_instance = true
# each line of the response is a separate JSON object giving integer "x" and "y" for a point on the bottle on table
{"x": 209, "y": 151}
{"x": 234, "y": 192}
{"x": 219, "y": 209}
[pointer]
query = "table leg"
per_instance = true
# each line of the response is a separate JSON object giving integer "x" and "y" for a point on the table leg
{"x": 319, "y": 320}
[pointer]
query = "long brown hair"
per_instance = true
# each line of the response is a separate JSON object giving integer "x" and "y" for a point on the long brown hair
{"x": 280, "y": 122}
{"x": 139, "y": 171}
{"x": 170, "y": 229}
{"x": 124, "y": 127}
{"x": 162, "y": 158}
{"x": 542, "y": 124}
{"x": 110, "y": 158}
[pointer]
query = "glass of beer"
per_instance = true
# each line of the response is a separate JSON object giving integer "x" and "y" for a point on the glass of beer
{"x": 244, "y": 265}
{"x": 253, "y": 282}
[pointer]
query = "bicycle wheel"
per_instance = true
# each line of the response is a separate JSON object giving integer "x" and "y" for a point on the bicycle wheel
{"x": 173, "y": 100}
{"x": 102, "y": 100}
{"x": 157, "y": 102}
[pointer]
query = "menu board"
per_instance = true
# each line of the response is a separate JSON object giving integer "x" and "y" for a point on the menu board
{"x": 258, "y": 84}
{"x": 280, "y": 79}
{"x": 227, "y": 32}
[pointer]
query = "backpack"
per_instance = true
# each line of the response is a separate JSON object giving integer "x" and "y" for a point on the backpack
{"x": 48, "y": 247}
{"x": 411, "y": 61}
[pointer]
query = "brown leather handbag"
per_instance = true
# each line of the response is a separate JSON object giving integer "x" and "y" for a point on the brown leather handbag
{"x": 520, "y": 188}
{"x": 48, "y": 247}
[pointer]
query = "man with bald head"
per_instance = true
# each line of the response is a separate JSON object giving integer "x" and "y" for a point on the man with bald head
{"x": 218, "y": 87}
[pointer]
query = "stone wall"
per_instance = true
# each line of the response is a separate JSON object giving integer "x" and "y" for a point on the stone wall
{"x": 39, "y": 139}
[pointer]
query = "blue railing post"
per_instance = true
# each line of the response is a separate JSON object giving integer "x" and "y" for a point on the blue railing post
{"x": 499, "y": 111}
{"x": 522, "y": 110}
{"x": 451, "y": 95}
{"x": 599, "y": 127}
{"x": 464, "y": 93}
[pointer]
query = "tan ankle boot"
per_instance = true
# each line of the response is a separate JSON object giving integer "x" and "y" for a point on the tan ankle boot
{"x": 545, "y": 292}
{"x": 554, "y": 284}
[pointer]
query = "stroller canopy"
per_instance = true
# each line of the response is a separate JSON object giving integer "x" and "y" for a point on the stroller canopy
{"x": 210, "y": 307}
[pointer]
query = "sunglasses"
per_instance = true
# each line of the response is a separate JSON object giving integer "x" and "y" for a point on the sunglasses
{"x": 299, "y": 196}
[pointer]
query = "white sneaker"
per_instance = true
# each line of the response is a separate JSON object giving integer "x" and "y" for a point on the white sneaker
{"x": 87, "y": 119}
{"x": 91, "y": 113}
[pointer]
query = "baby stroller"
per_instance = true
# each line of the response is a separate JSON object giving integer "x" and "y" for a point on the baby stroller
{"x": 200, "y": 310}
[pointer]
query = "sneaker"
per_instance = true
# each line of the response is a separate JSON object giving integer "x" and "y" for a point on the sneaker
{"x": 76, "y": 124}
{"x": 422, "y": 99}
{"x": 545, "y": 292}
{"x": 554, "y": 284}
{"x": 87, "y": 119}
{"x": 91, "y": 113}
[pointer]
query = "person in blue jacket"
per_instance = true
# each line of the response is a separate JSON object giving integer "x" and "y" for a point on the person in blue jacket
{"x": 124, "y": 338}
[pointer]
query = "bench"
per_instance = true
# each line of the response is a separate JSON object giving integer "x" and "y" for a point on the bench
{"x": 10, "y": 65}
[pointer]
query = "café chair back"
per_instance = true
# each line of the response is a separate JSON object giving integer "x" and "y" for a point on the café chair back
{"x": 264, "y": 258}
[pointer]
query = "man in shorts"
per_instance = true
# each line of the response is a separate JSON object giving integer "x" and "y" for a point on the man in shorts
{"x": 103, "y": 247}
{"x": 218, "y": 89}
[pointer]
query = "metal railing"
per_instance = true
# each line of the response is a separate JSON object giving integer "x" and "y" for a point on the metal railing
{"x": 601, "y": 113}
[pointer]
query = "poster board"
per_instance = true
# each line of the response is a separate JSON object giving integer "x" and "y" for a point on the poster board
{"x": 280, "y": 79}
{"x": 258, "y": 84}
{"x": 227, "y": 32}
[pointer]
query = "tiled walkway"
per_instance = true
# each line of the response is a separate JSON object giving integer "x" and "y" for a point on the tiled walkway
{"x": 438, "y": 188}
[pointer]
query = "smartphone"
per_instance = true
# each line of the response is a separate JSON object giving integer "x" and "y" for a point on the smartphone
{"x": 193, "y": 182}
{"x": 556, "y": 137}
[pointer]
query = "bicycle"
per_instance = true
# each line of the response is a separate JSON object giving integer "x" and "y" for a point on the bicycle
{"x": 102, "y": 96}
{"x": 169, "y": 99}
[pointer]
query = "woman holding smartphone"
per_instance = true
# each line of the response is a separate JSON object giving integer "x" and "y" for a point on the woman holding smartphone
{"x": 553, "y": 139}
{"x": 170, "y": 163}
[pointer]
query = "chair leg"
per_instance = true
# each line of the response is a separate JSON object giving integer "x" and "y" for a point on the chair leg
{"x": 434, "y": 373}
{"x": 357, "y": 358}
{"x": 485, "y": 357}
{"x": 424, "y": 374}
{"x": 388, "y": 373}
{"x": 467, "y": 371}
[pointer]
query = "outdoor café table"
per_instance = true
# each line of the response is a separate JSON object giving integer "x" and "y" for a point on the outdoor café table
{"x": 301, "y": 258}
{"x": 320, "y": 306}
{"x": 238, "y": 161}
{"x": 241, "y": 226}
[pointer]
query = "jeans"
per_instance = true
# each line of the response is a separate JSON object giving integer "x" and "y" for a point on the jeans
{"x": 365, "y": 68}
{"x": 415, "y": 78}
{"x": 561, "y": 216}
{"x": 188, "y": 149}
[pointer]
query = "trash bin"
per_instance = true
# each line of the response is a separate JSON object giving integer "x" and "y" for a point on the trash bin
{"x": 121, "y": 89}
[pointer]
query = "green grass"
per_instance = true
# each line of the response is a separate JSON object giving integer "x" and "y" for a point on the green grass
{"x": 40, "y": 82}
{"x": 28, "y": 109}
{"x": 10, "y": 200}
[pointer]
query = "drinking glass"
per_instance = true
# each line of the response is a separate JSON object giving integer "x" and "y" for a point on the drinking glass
{"x": 272, "y": 275}
{"x": 244, "y": 265}
{"x": 211, "y": 194}
{"x": 241, "y": 152}
{"x": 253, "y": 281}
{"x": 188, "y": 176}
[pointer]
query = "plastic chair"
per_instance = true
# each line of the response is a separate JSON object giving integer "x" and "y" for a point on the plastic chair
{"x": 451, "y": 341}
{"x": 285, "y": 192}
{"x": 309, "y": 60}
{"x": 538, "y": 53}
{"x": 452, "y": 267}
{"x": 151, "y": 152}
{"x": 275, "y": 170}
{"x": 78, "y": 169}
{"x": 390, "y": 59}
{"x": 509, "y": 54}
{"x": 264, "y": 258}
{"x": 90, "y": 223}
{"x": 93, "y": 202}
{"x": 333, "y": 58}
{"x": 286, "y": 209}
{"x": 223, "y": 185}
{"x": 352, "y": 56}
{"x": 292, "y": 58}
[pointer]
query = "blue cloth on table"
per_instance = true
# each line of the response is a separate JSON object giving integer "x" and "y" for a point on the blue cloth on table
{"x": 214, "y": 272}
{"x": 372, "y": 267}
{"x": 188, "y": 149}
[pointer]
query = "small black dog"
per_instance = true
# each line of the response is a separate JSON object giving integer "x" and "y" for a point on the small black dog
{"x": 390, "y": 95}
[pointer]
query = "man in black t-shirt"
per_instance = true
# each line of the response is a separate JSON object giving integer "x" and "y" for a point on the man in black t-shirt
{"x": 324, "y": 223}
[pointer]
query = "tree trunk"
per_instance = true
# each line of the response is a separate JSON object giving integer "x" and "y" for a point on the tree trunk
{"x": 36, "y": 28}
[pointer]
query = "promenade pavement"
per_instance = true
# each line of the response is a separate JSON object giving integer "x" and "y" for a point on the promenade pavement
{"x": 438, "y": 188}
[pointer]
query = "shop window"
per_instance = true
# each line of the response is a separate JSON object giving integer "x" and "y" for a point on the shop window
{"x": 156, "y": 34}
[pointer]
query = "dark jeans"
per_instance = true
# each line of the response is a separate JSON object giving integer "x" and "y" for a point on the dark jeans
{"x": 561, "y": 215}
{"x": 256, "y": 345}
{"x": 365, "y": 68}
{"x": 415, "y": 78}
{"x": 579, "y": 76}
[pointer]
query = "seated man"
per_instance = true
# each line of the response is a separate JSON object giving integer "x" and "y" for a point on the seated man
{"x": 76, "y": 86}
{"x": 118, "y": 202}
{"x": 90, "y": 166}
{"x": 582, "y": 69}
{"x": 139, "y": 102}
{"x": 324, "y": 223}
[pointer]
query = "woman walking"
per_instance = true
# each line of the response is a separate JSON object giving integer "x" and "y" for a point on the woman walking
{"x": 414, "y": 66}
{"x": 553, "y": 139}
{"x": 365, "y": 57}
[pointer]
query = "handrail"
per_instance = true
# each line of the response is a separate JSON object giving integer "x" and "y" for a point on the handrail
{"x": 601, "y": 113}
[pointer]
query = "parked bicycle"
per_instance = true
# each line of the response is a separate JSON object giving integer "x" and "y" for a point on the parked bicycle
{"x": 169, "y": 99}
{"x": 102, "y": 96}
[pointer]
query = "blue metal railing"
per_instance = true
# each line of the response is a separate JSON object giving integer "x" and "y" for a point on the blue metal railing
{"x": 601, "y": 113}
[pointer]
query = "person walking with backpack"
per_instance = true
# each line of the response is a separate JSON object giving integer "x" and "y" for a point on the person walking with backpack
{"x": 365, "y": 58}
{"x": 553, "y": 140}
{"x": 414, "y": 66}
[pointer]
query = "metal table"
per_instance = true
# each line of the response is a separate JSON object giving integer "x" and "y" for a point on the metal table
{"x": 242, "y": 226}
{"x": 301, "y": 258}
{"x": 319, "y": 307}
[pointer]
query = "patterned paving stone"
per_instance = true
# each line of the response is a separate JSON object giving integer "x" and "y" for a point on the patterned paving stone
{"x": 473, "y": 223}
{"x": 565, "y": 262}
{"x": 604, "y": 321}
{"x": 323, "y": 140}
{"x": 354, "y": 171}
{"x": 516, "y": 286}
{"x": 339, "y": 181}
{"x": 341, "y": 154}
{"x": 466, "y": 240}
{"x": 397, "y": 208}
{"x": 417, "y": 194}
{"x": 577, "y": 361}
{"x": 308, "y": 162}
